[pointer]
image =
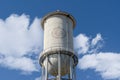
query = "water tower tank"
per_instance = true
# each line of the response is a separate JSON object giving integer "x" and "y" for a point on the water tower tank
{"x": 58, "y": 54}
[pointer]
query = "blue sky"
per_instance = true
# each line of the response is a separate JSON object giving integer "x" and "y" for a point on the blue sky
{"x": 96, "y": 35}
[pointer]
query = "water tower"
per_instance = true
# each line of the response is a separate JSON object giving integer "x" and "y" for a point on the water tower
{"x": 58, "y": 59}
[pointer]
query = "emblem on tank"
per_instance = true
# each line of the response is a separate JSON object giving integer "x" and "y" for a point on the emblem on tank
{"x": 58, "y": 33}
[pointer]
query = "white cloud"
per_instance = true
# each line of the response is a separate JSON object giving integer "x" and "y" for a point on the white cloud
{"x": 107, "y": 63}
{"x": 96, "y": 39}
{"x": 96, "y": 44}
{"x": 19, "y": 42}
{"x": 24, "y": 64}
{"x": 84, "y": 44}
{"x": 81, "y": 43}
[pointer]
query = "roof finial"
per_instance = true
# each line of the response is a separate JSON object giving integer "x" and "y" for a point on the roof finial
{"x": 58, "y": 10}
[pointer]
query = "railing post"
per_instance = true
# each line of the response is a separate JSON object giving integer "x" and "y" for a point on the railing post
{"x": 59, "y": 66}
